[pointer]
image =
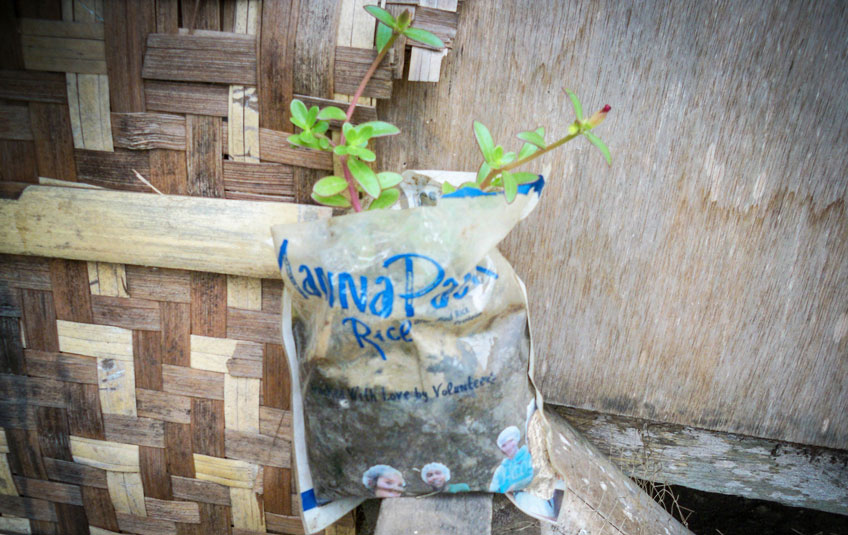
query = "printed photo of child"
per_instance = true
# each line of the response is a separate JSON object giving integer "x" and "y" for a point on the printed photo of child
{"x": 384, "y": 481}
{"x": 516, "y": 471}
{"x": 437, "y": 476}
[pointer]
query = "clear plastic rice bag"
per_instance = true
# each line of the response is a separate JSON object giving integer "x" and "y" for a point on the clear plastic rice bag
{"x": 408, "y": 339}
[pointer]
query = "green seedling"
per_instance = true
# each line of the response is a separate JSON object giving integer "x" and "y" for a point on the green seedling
{"x": 379, "y": 190}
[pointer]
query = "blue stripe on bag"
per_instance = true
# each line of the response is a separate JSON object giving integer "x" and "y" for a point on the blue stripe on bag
{"x": 523, "y": 189}
{"x": 307, "y": 500}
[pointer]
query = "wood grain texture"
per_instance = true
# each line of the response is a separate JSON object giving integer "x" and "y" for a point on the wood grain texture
{"x": 247, "y": 510}
{"x": 276, "y": 62}
{"x": 84, "y": 412}
{"x": 205, "y": 56}
{"x": 25, "y": 453}
{"x": 215, "y": 354}
{"x": 275, "y": 422}
{"x": 53, "y": 433}
{"x": 39, "y": 320}
{"x": 71, "y": 294}
{"x": 33, "y": 390}
{"x": 258, "y": 181}
{"x": 180, "y": 97}
{"x": 11, "y": 346}
{"x": 190, "y": 382}
{"x": 113, "y": 170}
{"x": 241, "y": 404}
{"x": 207, "y": 429}
{"x": 127, "y": 24}
{"x": 276, "y": 148}
{"x": 75, "y": 473}
{"x": 14, "y": 122}
{"x": 315, "y": 48}
{"x": 350, "y": 67}
{"x": 19, "y": 160}
{"x": 107, "y": 279}
{"x": 176, "y": 333}
{"x": 95, "y": 340}
{"x": 276, "y": 385}
{"x": 279, "y": 523}
{"x": 32, "y": 508}
{"x": 227, "y": 472}
{"x": 277, "y": 486}
{"x": 200, "y": 491}
{"x": 147, "y": 353}
{"x": 25, "y": 272}
{"x": 168, "y": 171}
{"x": 125, "y": 312}
{"x": 110, "y": 456}
{"x": 49, "y": 490}
{"x": 132, "y": 430}
{"x": 175, "y": 511}
{"x": 442, "y": 514}
{"x": 668, "y": 286}
{"x": 179, "y": 450}
{"x": 361, "y": 114}
{"x": 209, "y": 304}
{"x": 99, "y": 510}
{"x": 157, "y": 284}
{"x": 88, "y": 102}
{"x": 33, "y": 86}
{"x": 244, "y": 292}
{"x": 116, "y": 386}
{"x": 254, "y": 325}
{"x": 144, "y": 131}
{"x": 259, "y": 449}
{"x": 814, "y": 478}
{"x": 62, "y": 366}
{"x": 203, "y": 162}
{"x": 108, "y": 217}
{"x": 163, "y": 406}
{"x": 144, "y": 525}
{"x": 62, "y": 54}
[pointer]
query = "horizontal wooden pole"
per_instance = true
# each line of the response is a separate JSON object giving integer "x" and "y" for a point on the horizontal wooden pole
{"x": 192, "y": 233}
{"x": 791, "y": 474}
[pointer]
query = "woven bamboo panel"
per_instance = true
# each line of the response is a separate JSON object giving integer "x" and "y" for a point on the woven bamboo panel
{"x": 142, "y": 399}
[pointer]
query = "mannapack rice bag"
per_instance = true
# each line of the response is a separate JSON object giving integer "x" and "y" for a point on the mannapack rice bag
{"x": 408, "y": 340}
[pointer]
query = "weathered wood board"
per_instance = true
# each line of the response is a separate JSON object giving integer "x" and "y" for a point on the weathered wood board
{"x": 702, "y": 279}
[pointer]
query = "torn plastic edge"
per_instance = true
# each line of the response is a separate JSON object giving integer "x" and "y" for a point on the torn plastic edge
{"x": 523, "y": 189}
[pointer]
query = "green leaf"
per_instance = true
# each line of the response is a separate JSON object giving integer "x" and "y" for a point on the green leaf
{"x": 596, "y": 141}
{"x": 423, "y": 36}
{"x": 527, "y": 150}
{"x": 365, "y": 176}
{"x": 379, "y": 128}
{"x": 339, "y": 201}
{"x": 320, "y": 127}
{"x": 329, "y": 186}
{"x": 332, "y": 113}
{"x": 523, "y": 177}
{"x": 484, "y": 140}
{"x": 382, "y": 15}
{"x": 447, "y": 187}
{"x": 483, "y": 172}
{"x": 578, "y": 108}
{"x": 389, "y": 179}
{"x": 324, "y": 143}
{"x": 384, "y": 34}
{"x": 298, "y": 113}
{"x": 295, "y": 140}
{"x": 340, "y": 150}
{"x": 363, "y": 154}
{"x": 510, "y": 186}
{"x": 363, "y": 133}
{"x": 497, "y": 182}
{"x": 472, "y": 185}
{"x": 508, "y": 158}
{"x": 497, "y": 155}
{"x": 307, "y": 137}
{"x": 386, "y": 199}
{"x": 534, "y": 138}
{"x": 312, "y": 115}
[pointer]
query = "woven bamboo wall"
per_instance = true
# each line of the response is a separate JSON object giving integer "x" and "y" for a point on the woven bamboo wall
{"x": 145, "y": 400}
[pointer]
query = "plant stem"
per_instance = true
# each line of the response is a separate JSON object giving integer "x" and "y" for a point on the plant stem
{"x": 351, "y": 185}
{"x": 494, "y": 172}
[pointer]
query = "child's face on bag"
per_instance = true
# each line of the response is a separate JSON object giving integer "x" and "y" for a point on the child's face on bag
{"x": 389, "y": 486}
{"x": 435, "y": 478}
{"x": 510, "y": 448}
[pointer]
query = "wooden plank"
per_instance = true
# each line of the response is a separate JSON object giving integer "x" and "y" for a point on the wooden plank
{"x": 719, "y": 462}
{"x": 200, "y": 491}
{"x": 11, "y": 347}
{"x": 53, "y": 433}
{"x": 258, "y": 178}
{"x": 49, "y": 490}
{"x": 95, "y": 340}
{"x": 39, "y": 320}
{"x": 214, "y": 518}
{"x": 84, "y": 414}
{"x": 14, "y": 122}
{"x": 71, "y": 295}
{"x": 176, "y": 333}
{"x": 20, "y": 161}
{"x": 207, "y": 428}
{"x": 253, "y": 325}
{"x": 711, "y": 240}
{"x": 219, "y": 57}
{"x": 315, "y": 43}
{"x": 145, "y": 526}
{"x": 101, "y": 220}
{"x": 144, "y": 131}
{"x": 203, "y": 163}
{"x": 100, "y": 511}
{"x": 25, "y": 453}
{"x": 241, "y": 404}
{"x": 33, "y": 390}
{"x": 128, "y": 313}
{"x": 147, "y": 350}
{"x": 350, "y": 67}
{"x": 88, "y": 100}
{"x": 247, "y": 510}
{"x": 54, "y": 144}
{"x": 159, "y": 284}
{"x": 33, "y": 86}
{"x": 62, "y": 366}
{"x": 31, "y": 508}
{"x": 244, "y": 292}
{"x": 179, "y": 449}
{"x": 163, "y": 406}
{"x": 113, "y": 170}
{"x": 275, "y": 422}
{"x": 227, "y": 472}
{"x": 110, "y": 456}
{"x": 59, "y": 54}
{"x": 127, "y": 25}
{"x": 214, "y": 354}
{"x": 425, "y": 65}
{"x": 276, "y": 62}
{"x": 190, "y": 98}
{"x": 272, "y": 294}
{"x": 132, "y": 430}
{"x": 277, "y": 486}
{"x": 195, "y": 383}
{"x": 259, "y": 449}
{"x": 168, "y": 171}
{"x": 284, "y": 524}
{"x": 25, "y": 272}
{"x": 127, "y": 493}
{"x": 175, "y": 511}
{"x": 107, "y": 279}
{"x": 209, "y": 304}
{"x": 75, "y": 473}
{"x": 58, "y": 28}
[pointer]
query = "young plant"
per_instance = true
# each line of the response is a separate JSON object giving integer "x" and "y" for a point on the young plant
{"x": 496, "y": 171}
{"x": 352, "y": 147}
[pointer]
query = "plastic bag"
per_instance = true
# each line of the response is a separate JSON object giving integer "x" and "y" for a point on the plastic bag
{"x": 408, "y": 339}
